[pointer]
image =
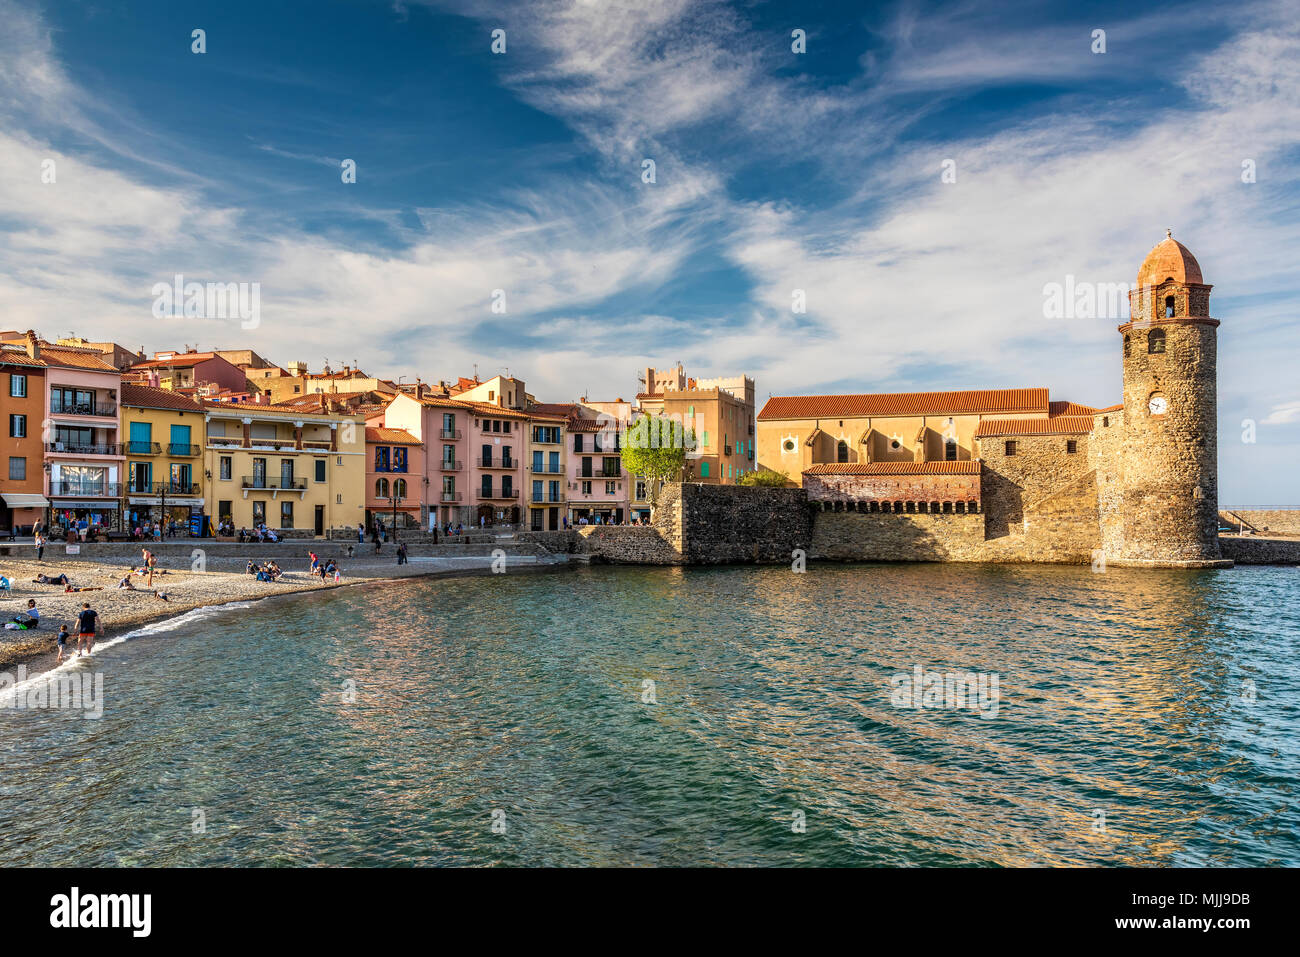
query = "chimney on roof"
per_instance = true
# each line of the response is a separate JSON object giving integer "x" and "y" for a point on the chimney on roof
{"x": 33, "y": 345}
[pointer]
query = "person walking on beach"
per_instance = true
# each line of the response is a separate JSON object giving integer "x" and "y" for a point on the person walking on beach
{"x": 86, "y": 629}
{"x": 315, "y": 560}
{"x": 62, "y": 639}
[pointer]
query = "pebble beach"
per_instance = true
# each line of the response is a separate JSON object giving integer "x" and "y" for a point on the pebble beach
{"x": 121, "y": 610}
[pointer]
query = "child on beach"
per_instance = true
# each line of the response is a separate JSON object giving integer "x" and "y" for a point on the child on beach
{"x": 62, "y": 639}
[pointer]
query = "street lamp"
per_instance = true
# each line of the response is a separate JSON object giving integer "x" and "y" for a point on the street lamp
{"x": 394, "y": 497}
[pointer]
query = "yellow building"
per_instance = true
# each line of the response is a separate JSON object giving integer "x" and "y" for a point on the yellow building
{"x": 302, "y": 474}
{"x": 163, "y": 436}
{"x": 798, "y": 432}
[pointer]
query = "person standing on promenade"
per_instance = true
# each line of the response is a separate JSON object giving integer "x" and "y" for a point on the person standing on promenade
{"x": 361, "y": 534}
{"x": 39, "y": 542}
{"x": 401, "y": 553}
{"x": 86, "y": 629}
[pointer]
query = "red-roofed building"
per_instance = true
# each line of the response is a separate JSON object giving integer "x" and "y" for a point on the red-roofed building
{"x": 190, "y": 370}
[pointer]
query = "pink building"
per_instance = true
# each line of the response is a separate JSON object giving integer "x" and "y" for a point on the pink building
{"x": 395, "y": 464}
{"x": 473, "y": 456}
{"x": 83, "y": 452}
{"x": 599, "y": 486}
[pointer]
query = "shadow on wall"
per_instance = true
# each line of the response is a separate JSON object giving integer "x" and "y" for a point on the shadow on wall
{"x": 1003, "y": 502}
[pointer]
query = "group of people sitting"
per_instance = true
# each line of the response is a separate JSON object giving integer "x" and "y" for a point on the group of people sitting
{"x": 265, "y": 572}
{"x": 325, "y": 568}
{"x": 259, "y": 534}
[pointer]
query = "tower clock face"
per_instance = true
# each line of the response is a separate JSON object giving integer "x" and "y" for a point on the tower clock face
{"x": 1158, "y": 405}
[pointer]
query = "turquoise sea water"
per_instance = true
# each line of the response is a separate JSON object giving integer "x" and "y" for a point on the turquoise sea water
{"x": 1143, "y": 718}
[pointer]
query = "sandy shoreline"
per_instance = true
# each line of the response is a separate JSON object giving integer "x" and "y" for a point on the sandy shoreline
{"x": 122, "y": 610}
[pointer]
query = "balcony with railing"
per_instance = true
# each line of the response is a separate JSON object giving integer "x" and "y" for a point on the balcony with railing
{"x": 81, "y": 448}
{"x": 176, "y": 488}
{"x": 182, "y": 450}
{"x": 450, "y": 496}
{"x": 547, "y": 469}
{"x": 103, "y": 408}
{"x": 450, "y": 465}
{"x": 499, "y": 494}
{"x": 226, "y": 441}
{"x": 274, "y": 483}
{"x": 317, "y": 445}
{"x": 142, "y": 448}
{"x": 499, "y": 462}
{"x": 82, "y": 487}
{"x": 450, "y": 435}
{"x": 547, "y": 498}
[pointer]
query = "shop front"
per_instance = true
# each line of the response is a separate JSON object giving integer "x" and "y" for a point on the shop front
{"x": 182, "y": 509}
{"x": 86, "y": 515}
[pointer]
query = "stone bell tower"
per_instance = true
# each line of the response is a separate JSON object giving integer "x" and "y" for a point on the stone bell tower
{"x": 1170, "y": 495}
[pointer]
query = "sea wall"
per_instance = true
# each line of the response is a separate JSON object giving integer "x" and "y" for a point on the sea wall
{"x": 728, "y": 523}
{"x": 1248, "y": 550}
{"x": 709, "y": 525}
{"x": 884, "y": 537}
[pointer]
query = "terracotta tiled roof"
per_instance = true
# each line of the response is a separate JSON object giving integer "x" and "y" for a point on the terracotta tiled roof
{"x": 178, "y": 361}
{"x": 978, "y": 401}
{"x": 558, "y": 409}
{"x": 895, "y": 468}
{"x": 1169, "y": 259}
{"x": 263, "y": 408}
{"x": 391, "y": 436}
{"x": 1061, "y": 425}
{"x": 148, "y": 397}
{"x": 1069, "y": 408}
{"x": 1111, "y": 408}
{"x": 74, "y": 358}
{"x": 19, "y": 357}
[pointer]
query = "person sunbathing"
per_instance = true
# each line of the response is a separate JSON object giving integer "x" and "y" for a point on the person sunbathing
{"x": 72, "y": 588}
{"x": 51, "y": 580}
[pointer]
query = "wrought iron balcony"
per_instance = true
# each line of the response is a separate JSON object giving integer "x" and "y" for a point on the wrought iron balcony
{"x": 141, "y": 448}
{"x": 82, "y": 408}
{"x": 448, "y": 465}
{"x": 176, "y": 488}
{"x": 182, "y": 450}
{"x": 79, "y": 448}
{"x": 500, "y": 462}
{"x": 451, "y": 435}
{"x": 451, "y": 496}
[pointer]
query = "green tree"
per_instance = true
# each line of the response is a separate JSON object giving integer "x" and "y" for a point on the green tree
{"x": 765, "y": 478}
{"x": 656, "y": 450}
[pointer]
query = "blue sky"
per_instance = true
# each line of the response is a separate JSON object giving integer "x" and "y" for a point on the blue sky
{"x": 775, "y": 171}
